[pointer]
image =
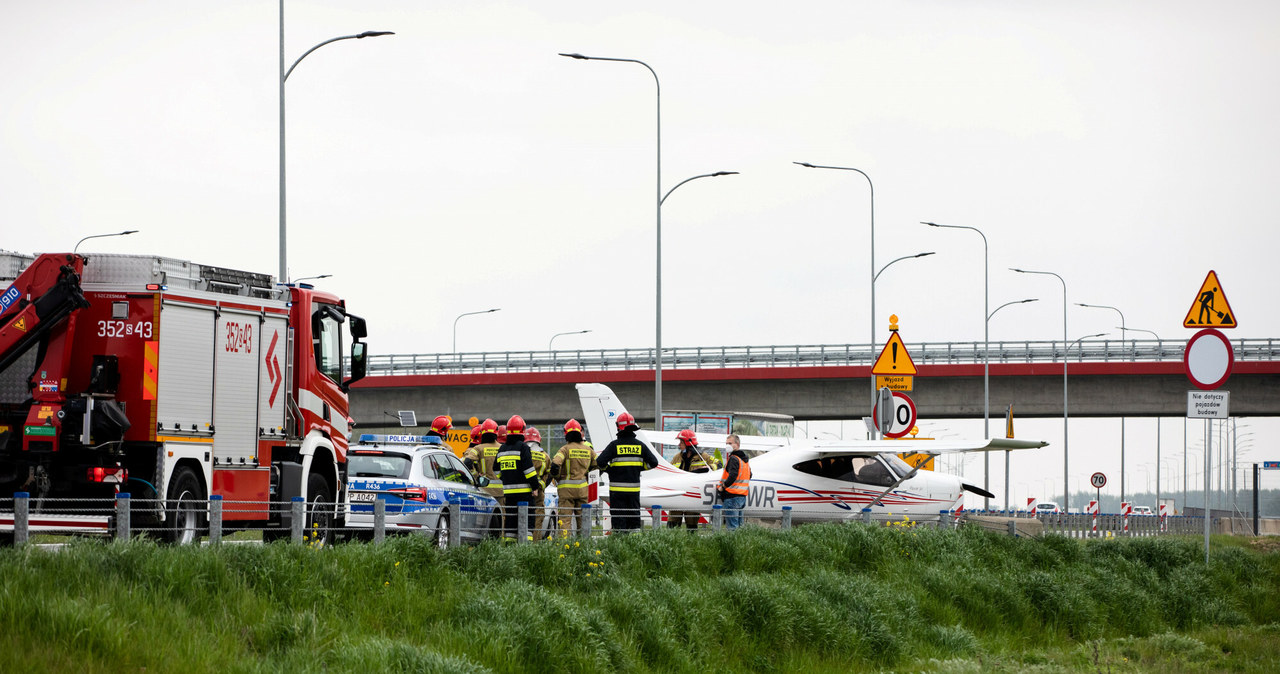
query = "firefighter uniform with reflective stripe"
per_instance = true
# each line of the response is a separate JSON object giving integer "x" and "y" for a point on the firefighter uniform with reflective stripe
{"x": 487, "y": 452}
{"x": 541, "y": 468}
{"x": 623, "y": 460}
{"x": 689, "y": 459}
{"x": 571, "y": 467}
{"x": 520, "y": 483}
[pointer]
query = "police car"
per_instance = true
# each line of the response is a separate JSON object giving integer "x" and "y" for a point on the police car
{"x": 424, "y": 485}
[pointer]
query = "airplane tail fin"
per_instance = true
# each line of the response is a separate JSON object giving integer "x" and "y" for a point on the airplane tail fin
{"x": 600, "y": 410}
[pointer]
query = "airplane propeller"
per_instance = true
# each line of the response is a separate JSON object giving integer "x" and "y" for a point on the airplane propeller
{"x": 977, "y": 490}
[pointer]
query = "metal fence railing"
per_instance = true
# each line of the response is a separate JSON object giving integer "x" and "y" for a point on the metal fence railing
{"x": 803, "y": 355}
{"x": 321, "y": 524}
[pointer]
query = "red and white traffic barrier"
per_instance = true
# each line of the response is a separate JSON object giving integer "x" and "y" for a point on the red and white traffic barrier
{"x": 1164, "y": 515}
{"x": 1031, "y": 506}
{"x": 1126, "y": 509}
{"x": 1093, "y": 510}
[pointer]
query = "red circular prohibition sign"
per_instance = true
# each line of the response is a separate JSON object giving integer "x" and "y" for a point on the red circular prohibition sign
{"x": 1203, "y": 359}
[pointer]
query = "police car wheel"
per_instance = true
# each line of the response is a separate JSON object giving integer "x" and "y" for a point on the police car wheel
{"x": 442, "y": 530}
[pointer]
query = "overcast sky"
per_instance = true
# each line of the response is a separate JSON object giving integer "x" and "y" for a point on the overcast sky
{"x": 461, "y": 164}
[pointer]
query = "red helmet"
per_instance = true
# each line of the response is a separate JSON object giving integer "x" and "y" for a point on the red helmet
{"x": 515, "y": 425}
{"x": 688, "y": 436}
{"x": 502, "y": 433}
{"x": 489, "y": 427}
{"x": 441, "y": 425}
{"x": 626, "y": 422}
{"x": 572, "y": 426}
{"x": 532, "y": 434}
{"x": 475, "y": 434}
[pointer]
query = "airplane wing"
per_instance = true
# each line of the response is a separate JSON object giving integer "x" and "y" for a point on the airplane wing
{"x": 762, "y": 443}
{"x": 929, "y": 447}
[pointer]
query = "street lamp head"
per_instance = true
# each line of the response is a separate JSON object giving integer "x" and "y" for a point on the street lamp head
{"x": 373, "y": 33}
{"x": 129, "y": 231}
{"x": 804, "y": 164}
{"x": 1020, "y": 271}
{"x": 717, "y": 174}
{"x": 580, "y": 57}
{"x": 931, "y": 224}
{"x": 924, "y": 254}
{"x": 1033, "y": 299}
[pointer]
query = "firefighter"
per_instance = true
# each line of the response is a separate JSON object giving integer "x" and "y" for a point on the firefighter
{"x": 440, "y": 427}
{"x": 690, "y": 459}
{"x": 570, "y": 468}
{"x": 542, "y": 467}
{"x": 471, "y": 458}
{"x": 734, "y": 483}
{"x": 520, "y": 483}
{"x": 624, "y": 459}
{"x": 487, "y": 453}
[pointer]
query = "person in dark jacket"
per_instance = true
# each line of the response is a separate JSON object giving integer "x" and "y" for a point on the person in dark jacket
{"x": 623, "y": 460}
{"x": 692, "y": 460}
{"x": 734, "y": 483}
{"x": 520, "y": 482}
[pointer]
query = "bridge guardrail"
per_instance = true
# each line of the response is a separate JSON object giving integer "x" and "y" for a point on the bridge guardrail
{"x": 800, "y": 355}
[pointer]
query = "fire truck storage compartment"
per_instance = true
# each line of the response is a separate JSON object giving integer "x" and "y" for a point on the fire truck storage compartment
{"x": 185, "y": 376}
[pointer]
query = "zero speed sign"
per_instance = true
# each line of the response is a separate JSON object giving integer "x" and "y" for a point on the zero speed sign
{"x": 903, "y": 419}
{"x": 1098, "y": 480}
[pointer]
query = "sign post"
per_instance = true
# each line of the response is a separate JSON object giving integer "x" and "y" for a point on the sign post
{"x": 1208, "y": 359}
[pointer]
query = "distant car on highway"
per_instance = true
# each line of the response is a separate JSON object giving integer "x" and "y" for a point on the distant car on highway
{"x": 1142, "y": 510}
{"x": 424, "y": 485}
{"x": 1047, "y": 508}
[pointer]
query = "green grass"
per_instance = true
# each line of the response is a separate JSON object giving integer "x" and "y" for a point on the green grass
{"x": 838, "y": 598}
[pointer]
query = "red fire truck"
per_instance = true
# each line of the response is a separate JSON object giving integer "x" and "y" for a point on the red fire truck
{"x": 172, "y": 381}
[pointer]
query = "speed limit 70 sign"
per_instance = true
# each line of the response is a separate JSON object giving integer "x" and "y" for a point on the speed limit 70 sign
{"x": 1098, "y": 480}
{"x": 903, "y": 417}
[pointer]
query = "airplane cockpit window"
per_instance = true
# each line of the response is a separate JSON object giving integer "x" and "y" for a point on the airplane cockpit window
{"x": 831, "y": 467}
{"x": 899, "y": 466}
{"x": 871, "y": 471}
{"x": 861, "y": 469}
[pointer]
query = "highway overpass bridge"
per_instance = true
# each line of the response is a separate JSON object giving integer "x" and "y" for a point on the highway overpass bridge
{"x": 1106, "y": 378}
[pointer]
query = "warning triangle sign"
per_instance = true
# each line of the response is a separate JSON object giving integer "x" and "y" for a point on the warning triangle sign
{"x": 894, "y": 359}
{"x": 1210, "y": 309}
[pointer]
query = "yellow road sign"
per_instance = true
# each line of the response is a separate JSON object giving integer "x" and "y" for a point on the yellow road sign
{"x": 924, "y": 461}
{"x": 1210, "y": 308}
{"x": 894, "y": 358}
{"x": 894, "y": 382}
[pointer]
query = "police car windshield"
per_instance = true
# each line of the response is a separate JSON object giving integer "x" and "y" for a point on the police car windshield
{"x": 379, "y": 465}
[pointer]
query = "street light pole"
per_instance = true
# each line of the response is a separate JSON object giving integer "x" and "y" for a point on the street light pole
{"x": 561, "y": 334}
{"x": 1006, "y": 452}
{"x": 986, "y": 356}
{"x": 1066, "y": 491}
{"x": 100, "y": 236}
{"x": 872, "y": 249}
{"x": 657, "y": 370}
{"x": 284, "y": 75}
{"x": 1123, "y": 336}
{"x": 455, "y": 324}
{"x": 310, "y": 278}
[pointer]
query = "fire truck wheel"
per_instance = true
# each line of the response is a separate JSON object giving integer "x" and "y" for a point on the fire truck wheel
{"x": 318, "y": 527}
{"x": 186, "y": 503}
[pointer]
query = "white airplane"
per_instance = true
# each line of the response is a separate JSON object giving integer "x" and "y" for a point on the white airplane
{"x": 821, "y": 480}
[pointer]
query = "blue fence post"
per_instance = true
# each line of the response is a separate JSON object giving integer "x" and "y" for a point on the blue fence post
{"x": 21, "y": 518}
{"x": 123, "y": 500}
{"x": 379, "y": 519}
{"x": 215, "y": 519}
{"x": 584, "y": 521}
{"x": 866, "y": 516}
{"x": 655, "y": 517}
{"x": 717, "y": 517}
{"x": 298, "y": 510}
{"x": 786, "y": 517}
